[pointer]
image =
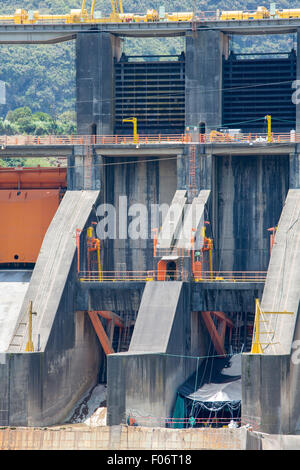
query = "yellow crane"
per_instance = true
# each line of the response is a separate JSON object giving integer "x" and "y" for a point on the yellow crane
{"x": 80, "y": 15}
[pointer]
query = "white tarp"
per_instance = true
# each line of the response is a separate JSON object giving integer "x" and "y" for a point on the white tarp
{"x": 223, "y": 391}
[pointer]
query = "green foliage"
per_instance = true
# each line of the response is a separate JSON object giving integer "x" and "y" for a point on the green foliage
{"x": 24, "y": 121}
{"x": 42, "y": 77}
{"x": 27, "y": 162}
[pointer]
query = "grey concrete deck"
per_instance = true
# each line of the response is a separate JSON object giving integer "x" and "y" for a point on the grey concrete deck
{"x": 52, "y": 269}
{"x": 13, "y": 287}
{"x": 281, "y": 290}
{"x": 52, "y": 33}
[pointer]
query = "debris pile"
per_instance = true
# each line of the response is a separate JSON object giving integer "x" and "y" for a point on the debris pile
{"x": 91, "y": 410}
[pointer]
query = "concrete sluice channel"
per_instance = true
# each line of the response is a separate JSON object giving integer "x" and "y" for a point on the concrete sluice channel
{"x": 13, "y": 287}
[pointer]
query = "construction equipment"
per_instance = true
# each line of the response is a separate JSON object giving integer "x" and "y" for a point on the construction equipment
{"x": 81, "y": 15}
{"x": 93, "y": 245}
{"x": 256, "y": 341}
{"x": 134, "y": 122}
{"x": 268, "y": 119}
{"x": 216, "y": 136}
{"x": 29, "y": 344}
{"x": 207, "y": 246}
{"x": 272, "y": 237}
{"x": 259, "y": 14}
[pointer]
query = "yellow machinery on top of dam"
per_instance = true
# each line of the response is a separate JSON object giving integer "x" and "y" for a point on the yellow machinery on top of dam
{"x": 81, "y": 15}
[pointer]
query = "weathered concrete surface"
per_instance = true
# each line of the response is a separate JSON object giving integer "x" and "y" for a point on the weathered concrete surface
{"x": 263, "y": 441}
{"x": 225, "y": 296}
{"x": 144, "y": 381}
{"x": 194, "y": 217}
{"x": 265, "y": 392}
{"x": 203, "y": 67}
{"x": 248, "y": 196}
{"x": 282, "y": 291}
{"x": 135, "y": 188}
{"x": 124, "y": 296}
{"x": 95, "y": 55}
{"x": 122, "y": 438}
{"x": 208, "y": 296}
{"x": 52, "y": 268}
{"x": 13, "y": 287}
{"x": 40, "y": 388}
{"x": 155, "y": 322}
{"x": 173, "y": 220}
{"x": 276, "y": 372}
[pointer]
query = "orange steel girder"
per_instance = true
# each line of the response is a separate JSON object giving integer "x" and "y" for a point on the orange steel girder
{"x": 217, "y": 334}
{"x": 105, "y": 342}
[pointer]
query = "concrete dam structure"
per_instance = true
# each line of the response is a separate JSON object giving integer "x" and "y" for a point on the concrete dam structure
{"x": 148, "y": 271}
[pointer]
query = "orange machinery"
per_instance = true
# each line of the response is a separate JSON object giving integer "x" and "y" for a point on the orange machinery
{"x": 29, "y": 198}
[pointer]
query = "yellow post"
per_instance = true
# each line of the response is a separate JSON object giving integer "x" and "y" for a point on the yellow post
{"x": 93, "y": 9}
{"x": 99, "y": 262}
{"x": 134, "y": 122}
{"x": 121, "y": 7}
{"x": 29, "y": 345}
{"x": 211, "y": 264}
{"x": 256, "y": 346}
{"x": 268, "y": 118}
{"x": 82, "y": 7}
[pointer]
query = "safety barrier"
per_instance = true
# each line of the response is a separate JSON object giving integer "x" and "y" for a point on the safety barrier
{"x": 66, "y": 437}
{"x": 116, "y": 276}
{"x": 231, "y": 276}
{"x": 190, "y": 422}
{"x": 140, "y": 139}
{"x": 169, "y": 17}
{"x": 153, "y": 275}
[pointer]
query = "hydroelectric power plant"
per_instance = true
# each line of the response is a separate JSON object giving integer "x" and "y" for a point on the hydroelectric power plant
{"x": 163, "y": 259}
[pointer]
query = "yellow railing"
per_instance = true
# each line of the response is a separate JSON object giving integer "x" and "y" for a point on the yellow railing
{"x": 230, "y": 276}
{"x": 153, "y": 275}
{"x": 140, "y": 139}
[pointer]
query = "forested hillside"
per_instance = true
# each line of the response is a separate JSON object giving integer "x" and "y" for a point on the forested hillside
{"x": 43, "y": 76}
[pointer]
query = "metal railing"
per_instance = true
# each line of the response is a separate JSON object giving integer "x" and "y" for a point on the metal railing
{"x": 230, "y": 276}
{"x": 182, "y": 275}
{"x": 116, "y": 276}
{"x": 140, "y": 17}
{"x": 140, "y": 139}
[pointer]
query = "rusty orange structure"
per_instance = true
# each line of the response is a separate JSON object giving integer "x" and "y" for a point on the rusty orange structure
{"x": 29, "y": 198}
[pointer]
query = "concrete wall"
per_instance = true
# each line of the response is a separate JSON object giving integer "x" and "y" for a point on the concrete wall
{"x": 115, "y": 296}
{"x": 265, "y": 392}
{"x": 135, "y": 182}
{"x": 248, "y": 197}
{"x": 95, "y": 53}
{"x": 143, "y": 382}
{"x": 40, "y": 388}
{"x": 204, "y": 52}
{"x": 227, "y": 297}
{"x": 298, "y": 76}
{"x": 276, "y": 371}
{"x": 123, "y": 438}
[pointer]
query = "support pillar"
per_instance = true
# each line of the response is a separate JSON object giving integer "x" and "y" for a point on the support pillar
{"x": 204, "y": 52}
{"x": 95, "y": 55}
{"x": 85, "y": 171}
{"x": 294, "y": 173}
{"x": 296, "y": 93}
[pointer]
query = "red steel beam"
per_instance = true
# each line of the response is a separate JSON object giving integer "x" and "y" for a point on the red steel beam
{"x": 217, "y": 335}
{"x": 103, "y": 338}
{"x": 111, "y": 316}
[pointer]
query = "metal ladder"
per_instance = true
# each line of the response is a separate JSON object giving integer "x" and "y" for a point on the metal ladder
{"x": 192, "y": 173}
{"x": 88, "y": 160}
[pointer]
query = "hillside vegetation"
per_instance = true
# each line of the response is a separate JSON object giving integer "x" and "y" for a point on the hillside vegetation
{"x": 43, "y": 76}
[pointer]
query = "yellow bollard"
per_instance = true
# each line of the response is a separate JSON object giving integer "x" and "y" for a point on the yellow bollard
{"x": 29, "y": 345}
